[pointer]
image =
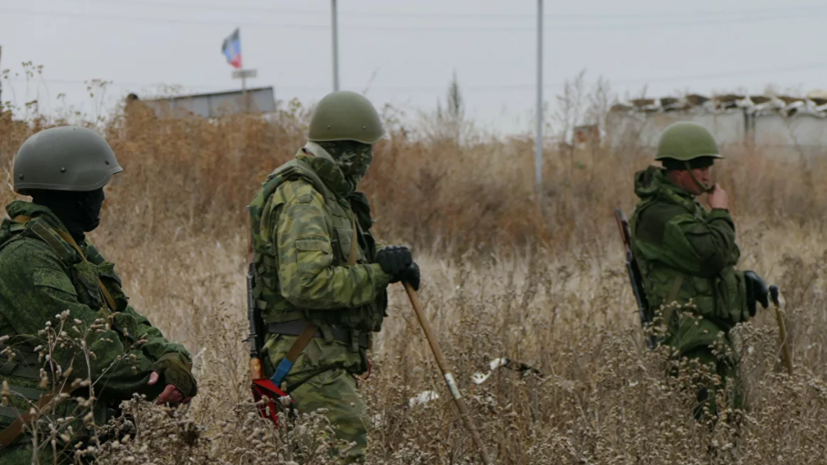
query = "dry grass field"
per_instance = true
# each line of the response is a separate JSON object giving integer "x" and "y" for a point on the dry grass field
{"x": 506, "y": 274}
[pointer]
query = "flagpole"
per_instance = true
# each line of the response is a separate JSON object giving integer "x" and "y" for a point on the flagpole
{"x": 244, "y": 92}
{"x": 1, "y": 84}
{"x": 335, "y": 28}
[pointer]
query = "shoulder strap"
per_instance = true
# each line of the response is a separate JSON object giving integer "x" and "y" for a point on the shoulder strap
{"x": 14, "y": 430}
{"x": 48, "y": 235}
{"x": 296, "y": 166}
{"x": 354, "y": 243}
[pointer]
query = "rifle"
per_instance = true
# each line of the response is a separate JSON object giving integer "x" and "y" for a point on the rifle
{"x": 634, "y": 274}
{"x": 262, "y": 387}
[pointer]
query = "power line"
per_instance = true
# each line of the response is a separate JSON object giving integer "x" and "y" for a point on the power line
{"x": 454, "y": 15}
{"x": 430, "y": 29}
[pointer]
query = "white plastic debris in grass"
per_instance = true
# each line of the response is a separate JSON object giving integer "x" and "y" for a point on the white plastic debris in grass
{"x": 480, "y": 378}
{"x": 423, "y": 398}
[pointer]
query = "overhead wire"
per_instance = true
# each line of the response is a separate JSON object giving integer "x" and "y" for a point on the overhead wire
{"x": 463, "y": 15}
{"x": 678, "y": 22}
{"x": 800, "y": 9}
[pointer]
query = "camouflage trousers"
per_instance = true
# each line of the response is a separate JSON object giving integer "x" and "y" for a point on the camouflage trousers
{"x": 722, "y": 378}
{"x": 335, "y": 391}
{"x": 331, "y": 385}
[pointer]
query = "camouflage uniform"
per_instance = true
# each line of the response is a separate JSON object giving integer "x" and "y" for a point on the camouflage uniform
{"x": 687, "y": 257}
{"x": 42, "y": 275}
{"x": 303, "y": 222}
{"x": 38, "y": 282}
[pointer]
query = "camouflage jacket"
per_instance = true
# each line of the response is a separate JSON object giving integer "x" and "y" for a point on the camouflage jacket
{"x": 302, "y": 224}
{"x": 302, "y": 231}
{"x": 40, "y": 279}
{"x": 687, "y": 255}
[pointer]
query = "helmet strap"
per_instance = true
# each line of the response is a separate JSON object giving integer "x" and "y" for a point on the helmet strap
{"x": 704, "y": 189}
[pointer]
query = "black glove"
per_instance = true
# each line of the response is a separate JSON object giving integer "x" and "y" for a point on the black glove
{"x": 175, "y": 369}
{"x": 411, "y": 275}
{"x": 394, "y": 260}
{"x": 757, "y": 291}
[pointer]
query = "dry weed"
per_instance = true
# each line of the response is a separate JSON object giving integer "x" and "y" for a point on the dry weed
{"x": 500, "y": 280}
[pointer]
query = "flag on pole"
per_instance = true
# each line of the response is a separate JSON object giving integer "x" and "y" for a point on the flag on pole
{"x": 232, "y": 49}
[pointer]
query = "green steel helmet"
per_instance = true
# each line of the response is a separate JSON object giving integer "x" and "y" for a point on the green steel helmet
{"x": 67, "y": 158}
{"x": 345, "y": 115}
{"x": 685, "y": 141}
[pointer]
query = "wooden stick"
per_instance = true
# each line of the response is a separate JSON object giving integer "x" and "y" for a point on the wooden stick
{"x": 446, "y": 373}
{"x": 782, "y": 331}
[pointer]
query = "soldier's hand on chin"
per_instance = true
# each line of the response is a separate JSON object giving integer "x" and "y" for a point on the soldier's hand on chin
{"x": 718, "y": 198}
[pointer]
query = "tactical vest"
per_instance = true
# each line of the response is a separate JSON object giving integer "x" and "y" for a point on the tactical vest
{"x": 274, "y": 307}
{"x": 721, "y": 298}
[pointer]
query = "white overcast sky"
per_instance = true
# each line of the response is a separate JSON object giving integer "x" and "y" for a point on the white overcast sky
{"x": 404, "y": 52}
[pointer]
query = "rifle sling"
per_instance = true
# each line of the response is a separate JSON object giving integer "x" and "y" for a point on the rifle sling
{"x": 110, "y": 301}
{"x": 15, "y": 429}
{"x": 671, "y": 300}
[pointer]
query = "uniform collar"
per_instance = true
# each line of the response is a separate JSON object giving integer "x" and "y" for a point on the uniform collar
{"x": 33, "y": 210}
{"x": 326, "y": 168}
{"x": 652, "y": 180}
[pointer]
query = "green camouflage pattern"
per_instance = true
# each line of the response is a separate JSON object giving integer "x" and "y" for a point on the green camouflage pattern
{"x": 320, "y": 386}
{"x": 353, "y": 158}
{"x": 687, "y": 257}
{"x": 302, "y": 231}
{"x": 38, "y": 282}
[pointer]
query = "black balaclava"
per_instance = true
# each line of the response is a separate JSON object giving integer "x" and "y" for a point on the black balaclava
{"x": 80, "y": 212}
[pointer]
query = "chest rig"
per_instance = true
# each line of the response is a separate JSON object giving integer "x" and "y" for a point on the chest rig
{"x": 348, "y": 225}
{"x": 719, "y": 298}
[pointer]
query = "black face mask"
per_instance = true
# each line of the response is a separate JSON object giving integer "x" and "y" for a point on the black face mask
{"x": 78, "y": 211}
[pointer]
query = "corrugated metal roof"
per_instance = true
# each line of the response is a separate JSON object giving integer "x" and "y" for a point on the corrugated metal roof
{"x": 814, "y": 104}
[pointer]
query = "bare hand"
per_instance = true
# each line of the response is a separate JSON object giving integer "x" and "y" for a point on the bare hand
{"x": 171, "y": 394}
{"x": 718, "y": 198}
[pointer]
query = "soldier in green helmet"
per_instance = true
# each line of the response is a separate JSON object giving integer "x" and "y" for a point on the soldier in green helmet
{"x": 47, "y": 268}
{"x": 687, "y": 256}
{"x": 321, "y": 276}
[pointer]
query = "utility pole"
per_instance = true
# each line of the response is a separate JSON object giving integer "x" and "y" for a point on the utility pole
{"x": 538, "y": 138}
{"x": 335, "y": 28}
{"x": 1, "y": 78}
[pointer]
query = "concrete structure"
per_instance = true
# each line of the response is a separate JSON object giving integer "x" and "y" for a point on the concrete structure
{"x": 780, "y": 125}
{"x": 213, "y": 105}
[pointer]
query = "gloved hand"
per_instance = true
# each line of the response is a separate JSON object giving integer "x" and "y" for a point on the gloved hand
{"x": 173, "y": 369}
{"x": 394, "y": 260}
{"x": 411, "y": 275}
{"x": 757, "y": 291}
